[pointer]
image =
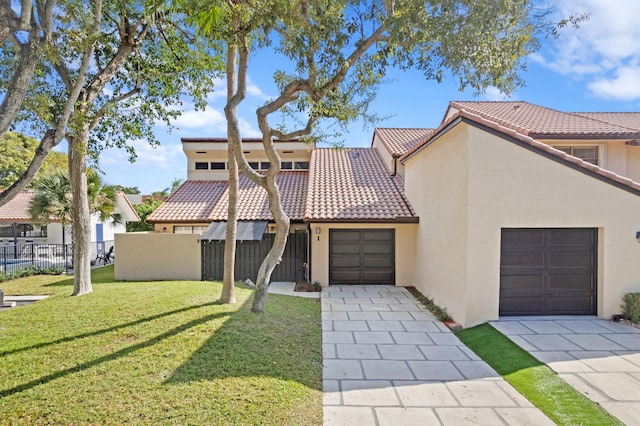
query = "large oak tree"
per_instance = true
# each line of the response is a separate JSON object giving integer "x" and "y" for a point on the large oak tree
{"x": 332, "y": 55}
{"x": 106, "y": 72}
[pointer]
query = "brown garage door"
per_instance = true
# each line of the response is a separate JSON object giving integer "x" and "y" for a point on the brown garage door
{"x": 548, "y": 272}
{"x": 361, "y": 256}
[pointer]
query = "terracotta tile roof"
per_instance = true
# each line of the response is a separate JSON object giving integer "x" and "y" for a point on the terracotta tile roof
{"x": 354, "y": 185}
{"x": 17, "y": 209}
{"x": 206, "y": 200}
{"x": 398, "y": 141}
{"x": 543, "y": 123}
{"x": 253, "y": 203}
{"x": 630, "y": 120}
{"x": 507, "y": 131}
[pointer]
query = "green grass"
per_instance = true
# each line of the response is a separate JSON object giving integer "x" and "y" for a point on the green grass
{"x": 157, "y": 353}
{"x": 537, "y": 382}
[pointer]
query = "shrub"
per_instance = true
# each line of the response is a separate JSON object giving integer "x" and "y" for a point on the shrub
{"x": 631, "y": 307}
{"x": 30, "y": 270}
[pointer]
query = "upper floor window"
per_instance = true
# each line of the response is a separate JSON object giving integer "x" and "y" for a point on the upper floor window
{"x": 218, "y": 165}
{"x": 286, "y": 165}
{"x": 189, "y": 229}
{"x": 264, "y": 165}
{"x": 585, "y": 153}
{"x": 254, "y": 165}
{"x": 200, "y": 165}
{"x": 302, "y": 165}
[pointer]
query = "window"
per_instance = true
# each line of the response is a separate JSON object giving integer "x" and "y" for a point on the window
{"x": 264, "y": 165}
{"x": 202, "y": 165}
{"x": 218, "y": 165}
{"x": 23, "y": 230}
{"x": 286, "y": 165}
{"x": 586, "y": 153}
{"x": 302, "y": 165}
{"x": 253, "y": 165}
{"x": 189, "y": 229}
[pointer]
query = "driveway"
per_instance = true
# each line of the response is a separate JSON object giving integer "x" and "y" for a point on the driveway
{"x": 599, "y": 358}
{"x": 388, "y": 361}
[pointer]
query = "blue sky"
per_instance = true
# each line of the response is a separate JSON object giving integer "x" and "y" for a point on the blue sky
{"x": 595, "y": 68}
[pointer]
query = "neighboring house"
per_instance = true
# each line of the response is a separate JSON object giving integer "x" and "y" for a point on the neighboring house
{"x": 16, "y": 225}
{"x": 507, "y": 208}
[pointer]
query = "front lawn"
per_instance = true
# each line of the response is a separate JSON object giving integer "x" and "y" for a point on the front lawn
{"x": 537, "y": 382}
{"x": 157, "y": 353}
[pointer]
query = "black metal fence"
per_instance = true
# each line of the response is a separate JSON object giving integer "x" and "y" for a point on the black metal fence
{"x": 14, "y": 257}
{"x": 250, "y": 254}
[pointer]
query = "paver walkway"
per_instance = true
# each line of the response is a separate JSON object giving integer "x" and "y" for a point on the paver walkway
{"x": 599, "y": 358}
{"x": 387, "y": 361}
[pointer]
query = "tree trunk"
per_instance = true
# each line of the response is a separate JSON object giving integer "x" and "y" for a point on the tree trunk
{"x": 274, "y": 256}
{"x": 80, "y": 215}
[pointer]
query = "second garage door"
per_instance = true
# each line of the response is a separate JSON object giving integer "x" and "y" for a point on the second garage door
{"x": 361, "y": 256}
{"x": 548, "y": 272}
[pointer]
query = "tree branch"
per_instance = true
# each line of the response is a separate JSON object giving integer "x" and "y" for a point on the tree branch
{"x": 103, "y": 109}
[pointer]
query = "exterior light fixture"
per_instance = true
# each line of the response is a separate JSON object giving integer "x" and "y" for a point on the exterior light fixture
{"x": 318, "y": 230}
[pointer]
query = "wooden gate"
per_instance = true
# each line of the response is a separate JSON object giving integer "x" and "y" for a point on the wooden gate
{"x": 250, "y": 254}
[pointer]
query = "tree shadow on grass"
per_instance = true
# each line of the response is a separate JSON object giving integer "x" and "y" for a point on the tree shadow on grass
{"x": 284, "y": 342}
{"x": 113, "y": 356}
{"x": 105, "y": 330}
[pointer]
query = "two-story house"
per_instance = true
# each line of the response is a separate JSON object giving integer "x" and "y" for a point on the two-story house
{"x": 507, "y": 208}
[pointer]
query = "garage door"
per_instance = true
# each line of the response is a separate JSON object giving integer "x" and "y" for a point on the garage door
{"x": 548, "y": 272}
{"x": 361, "y": 256}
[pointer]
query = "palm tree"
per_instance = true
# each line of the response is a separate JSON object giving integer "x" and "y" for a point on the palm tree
{"x": 52, "y": 199}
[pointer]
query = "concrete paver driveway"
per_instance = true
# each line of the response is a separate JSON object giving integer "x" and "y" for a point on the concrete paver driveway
{"x": 387, "y": 361}
{"x": 599, "y": 358}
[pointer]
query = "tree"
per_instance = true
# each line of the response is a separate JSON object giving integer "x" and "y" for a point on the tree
{"x": 144, "y": 209}
{"x": 127, "y": 189}
{"x": 52, "y": 199}
{"x": 112, "y": 70}
{"x": 16, "y": 152}
{"x": 334, "y": 55}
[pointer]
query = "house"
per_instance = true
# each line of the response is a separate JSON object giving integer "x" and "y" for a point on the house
{"x": 507, "y": 208}
{"x": 16, "y": 226}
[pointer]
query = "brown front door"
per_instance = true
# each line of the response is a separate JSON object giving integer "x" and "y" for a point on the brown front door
{"x": 548, "y": 271}
{"x": 361, "y": 256}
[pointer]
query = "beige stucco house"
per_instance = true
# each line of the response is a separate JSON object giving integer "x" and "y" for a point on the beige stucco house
{"x": 507, "y": 208}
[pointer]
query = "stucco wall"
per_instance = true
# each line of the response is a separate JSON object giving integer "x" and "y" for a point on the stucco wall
{"x": 525, "y": 190}
{"x": 436, "y": 185}
{"x": 405, "y": 249}
{"x": 386, "y": 156}
{"x": 633, "y": 163}
{"x": 470, "y": 184}
{"x": 142, "y": 256}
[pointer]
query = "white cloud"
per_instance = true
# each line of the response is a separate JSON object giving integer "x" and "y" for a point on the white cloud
{"x": 625, "y": 85}
{"x": 247, "y": 131}
{"x": 604, "y": 46}
{"x": 209, "y": 119}
{"x": 494, "y": 94}
{"x": 159, "y": 156}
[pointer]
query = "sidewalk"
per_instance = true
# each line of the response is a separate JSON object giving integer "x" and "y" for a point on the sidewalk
{"x": 599, "y": 358}
{"x": 387, "y": 361}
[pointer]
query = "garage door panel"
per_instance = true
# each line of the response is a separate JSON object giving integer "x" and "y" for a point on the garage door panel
{"x": 522, "y": 259}
{"x": 521, "y": 306}
{"x": 569, "y": 305}
{"x": 346, "y": 262}
{"x": 577, "y": 236}
{"x": 346, "y": 276}
{"x": 377, "y": 248}
{"x": 571, "y": 282}
{"x": 378, "y": 262}
{"x": 548, "y": 272}
{"x": 522, "y": 237}
{"x": 378, "y": 234}
{"x": 361, "y": 256}
{"x": 570, "y": 259}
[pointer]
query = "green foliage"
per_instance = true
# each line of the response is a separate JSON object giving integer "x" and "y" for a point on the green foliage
{"x": 631, "y": 307}
{"x": 16, "y": 152}
{"x": 126, "y": 189}
{"x": 52, "y": 199}
{"x": 537, "y": 382}
{"x": 144, "y": 209}
{"x": 29, "y": 271}
{"x": 155, "y": 353}
{"x": 430, "y": 304}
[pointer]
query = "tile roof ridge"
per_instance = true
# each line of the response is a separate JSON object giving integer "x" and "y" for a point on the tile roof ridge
{"x": 497, "y": 119}
{"x": 584, "y": 117}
